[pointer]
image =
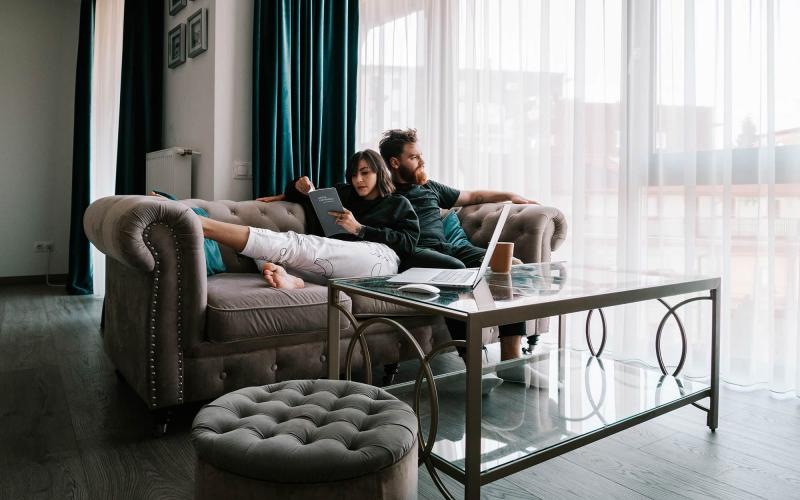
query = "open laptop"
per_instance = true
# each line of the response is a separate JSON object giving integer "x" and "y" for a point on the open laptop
{"x": 454, "y": 277}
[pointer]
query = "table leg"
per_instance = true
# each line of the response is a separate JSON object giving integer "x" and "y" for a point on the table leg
{"x": 333, "y": 334}
{"x": 713, "y": 407}
{"x": 472, "y": 462}
{"x": 562, "y": 331}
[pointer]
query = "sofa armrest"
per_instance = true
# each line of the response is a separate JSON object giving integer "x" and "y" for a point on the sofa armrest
{"x": 156, "y": 289}
{"x": 536, "y": 230}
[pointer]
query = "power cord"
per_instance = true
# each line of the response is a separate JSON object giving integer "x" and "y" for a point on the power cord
{"x": 47, "y": 272}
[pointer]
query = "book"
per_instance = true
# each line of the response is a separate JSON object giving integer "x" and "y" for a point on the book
{"x": 324, "y": 201}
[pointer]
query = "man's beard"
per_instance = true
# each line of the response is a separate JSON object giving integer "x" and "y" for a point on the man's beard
{"x": 404, "y": 176}
{"x": 420, "y": 176}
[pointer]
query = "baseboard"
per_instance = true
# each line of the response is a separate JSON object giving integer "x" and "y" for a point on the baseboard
{"x": 55, "y": 279}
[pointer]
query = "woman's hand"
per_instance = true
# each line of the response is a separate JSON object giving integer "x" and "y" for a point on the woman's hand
{"x": 304, "y": 185}
{"x": 347, "y": 221}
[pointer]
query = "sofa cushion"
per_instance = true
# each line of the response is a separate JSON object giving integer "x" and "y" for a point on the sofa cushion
{"x": 241, "y": 306}
{"x": 365, "y": 306}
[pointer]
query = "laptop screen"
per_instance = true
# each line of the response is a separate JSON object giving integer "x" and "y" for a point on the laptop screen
{"x": 492, "y": 243}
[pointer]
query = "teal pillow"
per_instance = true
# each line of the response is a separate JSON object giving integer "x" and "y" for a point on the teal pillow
{"x": 214, "y": 264}
{"x": 453, "y": 232}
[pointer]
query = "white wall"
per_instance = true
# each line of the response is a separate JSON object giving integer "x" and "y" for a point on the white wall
{"x": 38, "y": 56}
{"x": 233, "y": 97}
{"x": 207, "y": 100}
{"x": 189, "y": 101}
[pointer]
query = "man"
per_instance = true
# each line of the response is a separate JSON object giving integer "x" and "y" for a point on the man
{"x": 404, "y": 159}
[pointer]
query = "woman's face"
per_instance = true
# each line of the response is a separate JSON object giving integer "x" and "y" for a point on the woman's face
{"x": 365, "y": 181}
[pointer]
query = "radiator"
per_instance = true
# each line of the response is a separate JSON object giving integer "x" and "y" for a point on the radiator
{"x": 170, "y": 171}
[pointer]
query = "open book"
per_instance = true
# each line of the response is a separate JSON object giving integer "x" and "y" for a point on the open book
{"x": 324, "y": 201}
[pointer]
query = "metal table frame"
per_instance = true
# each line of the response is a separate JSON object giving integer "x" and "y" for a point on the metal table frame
{"x": 472, "y": 477}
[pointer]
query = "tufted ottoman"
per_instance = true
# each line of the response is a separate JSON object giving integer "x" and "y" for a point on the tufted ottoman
{"x": 330, "y": 439}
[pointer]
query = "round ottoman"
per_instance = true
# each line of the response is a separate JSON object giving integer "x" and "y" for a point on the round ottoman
{"x": 330, "y": 439}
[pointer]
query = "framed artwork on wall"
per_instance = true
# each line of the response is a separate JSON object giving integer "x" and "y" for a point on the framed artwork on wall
{"x": 175, "y": 6}
{"x": 176, "y": 46}
{"x": 197, "y": 32}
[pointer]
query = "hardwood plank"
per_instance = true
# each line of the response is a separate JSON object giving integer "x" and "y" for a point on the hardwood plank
{"x": 649, "y": 475}
{"x": 559, "y": 478}
{"x": 24, "y": 340}
{"x": 35, "y": 417}
{"x": 56, "y": 477}
{"x": 501, "y": 489}
{"x": 772, "y": 450}
{"x": 738, "y": 469}
{"x": 140, "y": 470}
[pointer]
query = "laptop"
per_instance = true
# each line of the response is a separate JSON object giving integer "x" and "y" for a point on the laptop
{"x": 454, "y": 277}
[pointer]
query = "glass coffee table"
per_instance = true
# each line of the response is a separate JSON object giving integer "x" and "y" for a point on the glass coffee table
{"x": 583, "y": 396}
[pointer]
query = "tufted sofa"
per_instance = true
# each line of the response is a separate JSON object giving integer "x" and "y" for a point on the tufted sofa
{"x": 177, "y": 336}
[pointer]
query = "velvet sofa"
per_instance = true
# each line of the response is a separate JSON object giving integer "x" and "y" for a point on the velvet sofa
{"x": 176, "y": 335}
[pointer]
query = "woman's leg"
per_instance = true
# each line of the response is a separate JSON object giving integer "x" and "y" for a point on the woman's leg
{"x": 316, "y": 258}
{"x": 232, "y": 235}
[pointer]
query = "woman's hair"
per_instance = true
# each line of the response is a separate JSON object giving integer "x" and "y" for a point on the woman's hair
{"x": 376, "y": 164}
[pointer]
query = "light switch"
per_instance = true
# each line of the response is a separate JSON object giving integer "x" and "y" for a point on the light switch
{"x": 241, "y": 170}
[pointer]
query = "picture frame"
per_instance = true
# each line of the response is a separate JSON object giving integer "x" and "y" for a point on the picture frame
{"x": 197, "y": 32}
{"x": 176, "y": 46}
{"x": 175, "y": 6}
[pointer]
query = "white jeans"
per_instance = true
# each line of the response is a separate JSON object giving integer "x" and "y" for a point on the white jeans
{"x": 316, "y": 259}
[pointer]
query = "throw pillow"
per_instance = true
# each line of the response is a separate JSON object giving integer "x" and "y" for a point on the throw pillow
{"x": 214, "y": 263}
{"x": 453, "y": 232}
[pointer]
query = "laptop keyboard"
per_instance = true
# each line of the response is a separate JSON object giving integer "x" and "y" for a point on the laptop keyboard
{"x": 456, "y": 276}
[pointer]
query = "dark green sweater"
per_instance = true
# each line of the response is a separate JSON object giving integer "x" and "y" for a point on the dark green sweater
{"x": 390, "y": 220}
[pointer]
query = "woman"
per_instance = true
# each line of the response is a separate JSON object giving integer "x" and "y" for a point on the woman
{"x": 379, "y": 225}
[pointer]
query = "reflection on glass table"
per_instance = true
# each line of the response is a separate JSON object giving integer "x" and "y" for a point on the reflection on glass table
{"x": 586, "y": 394}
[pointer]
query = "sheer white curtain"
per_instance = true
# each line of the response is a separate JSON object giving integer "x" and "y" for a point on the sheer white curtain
{"x": 106, "y": 74}
{"x": 668, "y": 132}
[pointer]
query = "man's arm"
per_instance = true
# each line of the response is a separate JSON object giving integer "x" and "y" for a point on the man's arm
{"x": 485, "y": 196}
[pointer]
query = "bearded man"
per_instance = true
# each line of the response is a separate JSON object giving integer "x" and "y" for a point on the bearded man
{"x": 404, "y": 159}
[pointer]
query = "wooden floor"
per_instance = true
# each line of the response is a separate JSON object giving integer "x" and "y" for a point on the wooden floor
{"x": 70, "y": 429}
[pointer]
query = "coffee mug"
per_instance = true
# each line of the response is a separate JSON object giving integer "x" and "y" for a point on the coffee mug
{"x": 501, "y": 258}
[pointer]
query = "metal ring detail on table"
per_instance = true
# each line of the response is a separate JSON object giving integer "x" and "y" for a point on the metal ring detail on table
{"x": 589, "y": 338}
{"x": 671, "y": 312}
{"x": 433, "y": 396}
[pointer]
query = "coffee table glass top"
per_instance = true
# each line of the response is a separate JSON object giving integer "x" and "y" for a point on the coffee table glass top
{"x": 526, "y": 284}
{"x": 583, "y": 394}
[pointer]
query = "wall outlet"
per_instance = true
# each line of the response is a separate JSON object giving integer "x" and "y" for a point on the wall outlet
{"x": 42, "y": 246}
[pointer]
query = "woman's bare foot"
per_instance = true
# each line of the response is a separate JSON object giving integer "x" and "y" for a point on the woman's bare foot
{"x": 277, "y": 277}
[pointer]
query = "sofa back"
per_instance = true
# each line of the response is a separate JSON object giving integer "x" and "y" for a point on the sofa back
{"x": 277, "y": 216}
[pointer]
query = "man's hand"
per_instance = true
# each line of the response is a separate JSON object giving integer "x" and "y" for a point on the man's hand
{"x": 304, "y": 185}
{"x": 268, "y": 199}
{"x": 519, "y": 200}
{"x": 485, "y": 196}
{"x": 347, "y": 221}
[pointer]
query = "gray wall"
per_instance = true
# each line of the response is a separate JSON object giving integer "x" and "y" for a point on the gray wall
{"x": 38, "y": 53}
{"x": 206, "y": 107}
{"x": 207, "y": 99}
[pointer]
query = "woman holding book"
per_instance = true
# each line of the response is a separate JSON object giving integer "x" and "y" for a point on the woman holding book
{"x": 377, "y": 226}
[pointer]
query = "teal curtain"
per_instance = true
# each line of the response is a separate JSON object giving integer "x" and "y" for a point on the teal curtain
{"x": 304, "y": 91}
{"x": 79, "y": 281}
{"x": 140, "y": 100}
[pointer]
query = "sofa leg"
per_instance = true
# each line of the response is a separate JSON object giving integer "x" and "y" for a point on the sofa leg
{"x": 389, "y": 372}
{"x": 161, "y": 419}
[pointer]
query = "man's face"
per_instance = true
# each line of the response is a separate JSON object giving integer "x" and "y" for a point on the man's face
{"x": 409, "y": 168}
